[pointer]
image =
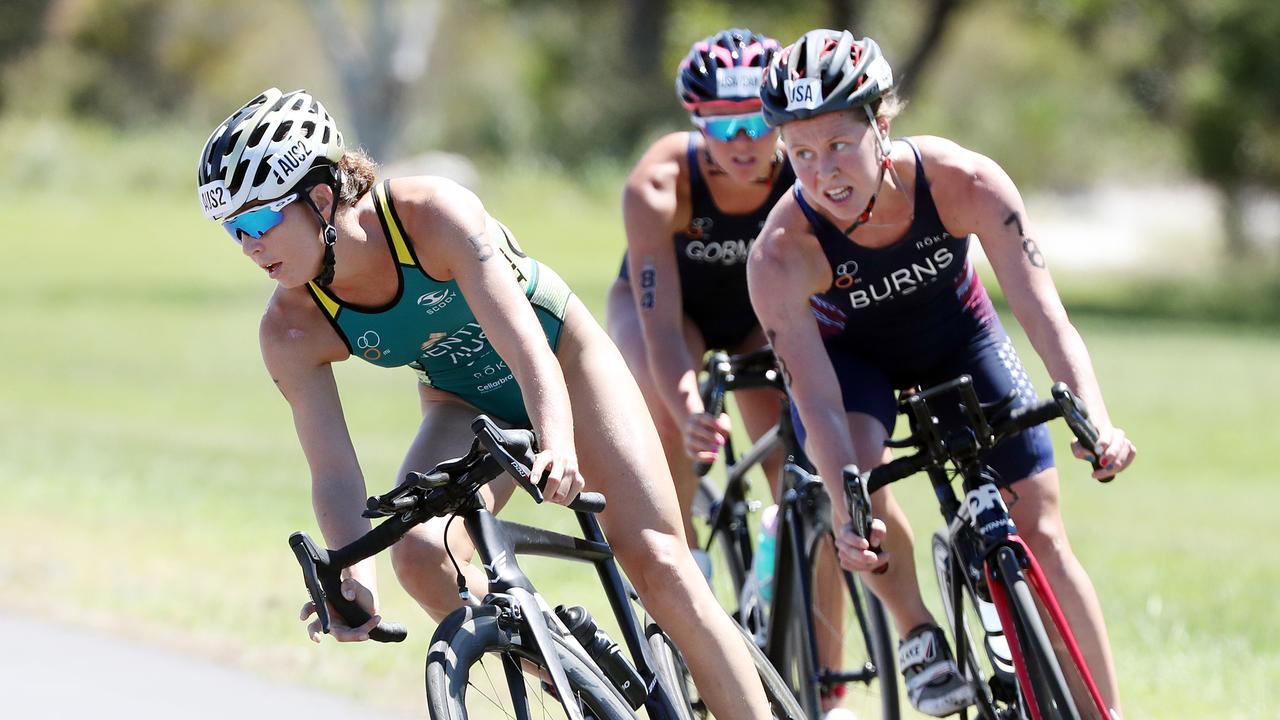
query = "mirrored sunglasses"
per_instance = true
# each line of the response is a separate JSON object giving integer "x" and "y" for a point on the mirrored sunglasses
{"x": 257, "y": 222}
{"x": 726, "y": 127}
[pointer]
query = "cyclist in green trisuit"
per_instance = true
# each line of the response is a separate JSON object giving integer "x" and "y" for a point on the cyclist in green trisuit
{"x": 414, "y": 271}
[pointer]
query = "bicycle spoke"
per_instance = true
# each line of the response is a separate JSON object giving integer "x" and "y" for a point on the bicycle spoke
{"x": 491, "y": 696}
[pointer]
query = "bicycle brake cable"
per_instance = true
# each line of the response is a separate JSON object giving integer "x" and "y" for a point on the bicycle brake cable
{"x": 464, "y": 593}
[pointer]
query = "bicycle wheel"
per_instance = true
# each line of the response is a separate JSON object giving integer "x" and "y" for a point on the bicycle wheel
{"x": 851, "y": 635}
{"x": 668, "y": 660}
{"x": 727, "y": 538}
{"x": 993, "y": 688}
{"x": 1048, "y": 689}
{"x": 476, "y": 668}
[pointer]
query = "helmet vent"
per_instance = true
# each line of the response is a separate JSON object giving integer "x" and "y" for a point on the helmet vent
{"x": 282, "y": 130}
{"x": 229, "y": 145}
{"x": 309, "y": 128}
{"x": 238, "y": 178}
{"x": 261, "y": 174}
{"x": 256, "y": 137}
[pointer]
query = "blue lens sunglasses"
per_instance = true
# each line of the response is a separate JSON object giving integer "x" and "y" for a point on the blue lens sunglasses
{"x": 257, "y": 222}
{"x": 726, "y": 127}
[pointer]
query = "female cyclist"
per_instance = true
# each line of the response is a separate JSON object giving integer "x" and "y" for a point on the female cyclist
{"x": 692, "y": 207}
{"x": 898, "y": 303}
{"x": 414, "y": 272}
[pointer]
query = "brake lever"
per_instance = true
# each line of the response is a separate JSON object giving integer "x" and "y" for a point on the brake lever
{"x": 859, "y": 499}
{"x": 309, "y": 558}
{"x": 1077, "y": 417}
{"x": 487, "y": 434}
{"x": 325, "y": 588}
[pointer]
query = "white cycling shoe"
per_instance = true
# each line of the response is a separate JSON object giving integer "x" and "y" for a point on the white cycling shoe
{"x": 934, "y": 684}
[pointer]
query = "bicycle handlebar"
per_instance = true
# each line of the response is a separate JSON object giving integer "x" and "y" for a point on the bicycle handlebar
{"x": 323, "y": 577}
{"x": 725, "y": 373}
{"x": 437, "y": 492}
{"x": 1063, "y": 404}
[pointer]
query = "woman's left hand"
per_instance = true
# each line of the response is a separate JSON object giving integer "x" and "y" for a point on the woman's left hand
{"x": 1115, "y": 452}
{"x": 555, "y": 470}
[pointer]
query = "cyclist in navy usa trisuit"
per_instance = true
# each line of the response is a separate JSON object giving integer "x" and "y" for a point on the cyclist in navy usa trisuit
{"x": 692, "y": 207}
{"x": 413, "y": 271}
{"x": 862, "y": 281}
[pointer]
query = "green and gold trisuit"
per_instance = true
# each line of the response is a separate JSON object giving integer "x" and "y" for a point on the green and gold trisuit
{"x": 429, "y": 327}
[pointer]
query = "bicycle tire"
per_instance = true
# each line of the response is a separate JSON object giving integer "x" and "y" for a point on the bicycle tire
{"x": 727, "y": 549}
{"x": 1050, "y": 693}
{"x": 672, "y": 675}
{"x": 470, "y": 634}
{"x": 867, "y": 637}
{"x": 782, "y": 703}
{"x": 975, "y": 670}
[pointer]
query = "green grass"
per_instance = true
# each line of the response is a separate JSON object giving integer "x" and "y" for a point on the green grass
{"x": 151, "y": 474}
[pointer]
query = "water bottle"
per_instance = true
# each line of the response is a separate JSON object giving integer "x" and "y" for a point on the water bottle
{"x": 605, "y": 652}
{"x": 766, "y": 550}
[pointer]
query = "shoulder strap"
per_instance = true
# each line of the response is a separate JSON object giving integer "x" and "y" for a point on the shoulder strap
{"x": 397, "y": 238}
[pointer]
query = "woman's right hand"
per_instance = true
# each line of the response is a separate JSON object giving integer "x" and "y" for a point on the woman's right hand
{"x": 704, "y": 435}
{"x": 354, "y": 591}
{"x": 555, "y": 470}
{"x": 854, "y": 550}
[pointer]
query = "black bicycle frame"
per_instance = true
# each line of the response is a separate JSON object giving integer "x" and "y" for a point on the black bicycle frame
{"x": 453, "y": 489}
{"x": 981, "y": 535}
{"x": 804, "y": 517}
{"x": 498, "y": 542}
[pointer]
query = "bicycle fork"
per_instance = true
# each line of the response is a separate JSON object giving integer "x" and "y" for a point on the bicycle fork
{"x": 1011, "y": 559}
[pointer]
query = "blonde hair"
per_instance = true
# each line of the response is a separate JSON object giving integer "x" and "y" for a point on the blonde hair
{"x": 888, "y": 105}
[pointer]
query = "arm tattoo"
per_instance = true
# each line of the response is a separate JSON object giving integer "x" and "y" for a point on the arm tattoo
{"x": 648, "y": 285}
{"x": 1029, "y": 246}
{"x": 477, "y": 242}
{"x": 773, "y": 343}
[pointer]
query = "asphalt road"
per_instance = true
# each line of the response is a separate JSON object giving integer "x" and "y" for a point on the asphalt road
{"x": 51, "y": 672}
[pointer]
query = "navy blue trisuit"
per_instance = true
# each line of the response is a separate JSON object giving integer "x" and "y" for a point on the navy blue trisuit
{"x": 916, "y": 313}
{"x": 711, "y": 258}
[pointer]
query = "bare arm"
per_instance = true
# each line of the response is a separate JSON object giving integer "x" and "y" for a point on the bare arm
{"x": 786, "y": 266}
{"x": 650, "y": 211}
{"x": 975, "y": 195}
{"x": 457, "y": 229}
{"x": 297, "y": 352}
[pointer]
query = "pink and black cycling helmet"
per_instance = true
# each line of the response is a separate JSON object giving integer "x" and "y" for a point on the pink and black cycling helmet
{"x": 822, "y": 72}
{"x": 724, "y": 69}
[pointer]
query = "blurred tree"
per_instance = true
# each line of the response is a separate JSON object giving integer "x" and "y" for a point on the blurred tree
{"x": 1208, "y": 69}
{"x": 934, "y": 28}
{"x": 379, "y": 70}
{"x": 20, "y": 29}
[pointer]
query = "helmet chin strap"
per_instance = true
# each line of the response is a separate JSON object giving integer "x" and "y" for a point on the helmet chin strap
{"x": 886, "y": 162}
{"x": 328, "y": 234}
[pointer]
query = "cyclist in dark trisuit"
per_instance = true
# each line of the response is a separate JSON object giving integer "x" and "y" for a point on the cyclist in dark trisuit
{"x": 862, "y": 281}
{"x": 414, "y": 271}
{"x": 693, "y": 205}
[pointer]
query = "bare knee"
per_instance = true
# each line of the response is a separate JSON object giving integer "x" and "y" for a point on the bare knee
{"x": 422, "y": 566}
{"x": 1047, "y": 539}
{"x": 653, "y": 561}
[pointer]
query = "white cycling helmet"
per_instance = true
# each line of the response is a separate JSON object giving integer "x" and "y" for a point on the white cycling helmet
{"x": 264, "y": 150}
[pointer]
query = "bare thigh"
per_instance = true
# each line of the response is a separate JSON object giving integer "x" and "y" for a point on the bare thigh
{"x": 618, "y": 448}
{"x": 419, "y": 558}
